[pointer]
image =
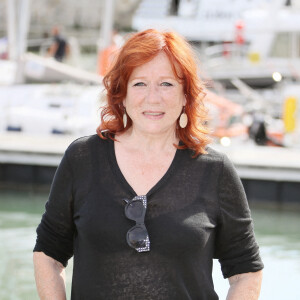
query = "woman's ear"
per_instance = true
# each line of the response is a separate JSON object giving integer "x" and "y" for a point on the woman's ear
{"x": 184, "y": 101}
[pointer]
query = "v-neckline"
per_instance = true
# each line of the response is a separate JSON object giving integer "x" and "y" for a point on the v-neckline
{"x": 121, "y": 178}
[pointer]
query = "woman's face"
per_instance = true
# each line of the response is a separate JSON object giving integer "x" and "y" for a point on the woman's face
{"x": 154, "y": 97}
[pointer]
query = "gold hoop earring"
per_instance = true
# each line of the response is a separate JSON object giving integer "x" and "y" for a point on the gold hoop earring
{"x": 183, "y": 120}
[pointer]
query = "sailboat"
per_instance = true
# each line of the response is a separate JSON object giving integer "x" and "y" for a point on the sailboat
{"x": 40, "y": 95}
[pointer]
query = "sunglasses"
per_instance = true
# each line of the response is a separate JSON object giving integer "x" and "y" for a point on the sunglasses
{"x": 137, "y": 236}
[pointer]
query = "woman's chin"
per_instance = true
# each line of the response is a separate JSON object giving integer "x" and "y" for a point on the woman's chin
{"x": 156, "y": 129}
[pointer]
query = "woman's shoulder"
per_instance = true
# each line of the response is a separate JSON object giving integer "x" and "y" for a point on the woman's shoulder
{"x": 218, "y": 159}
{"x": 85, "y": 145}
{"x": 85, "y": 140}
{"x": 212, "y": 156}
{"x": 212, "y": 159}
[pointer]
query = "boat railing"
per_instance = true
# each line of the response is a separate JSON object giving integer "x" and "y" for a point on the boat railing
{"x": 227, "y": 50}
{"x": 221, "y": 54}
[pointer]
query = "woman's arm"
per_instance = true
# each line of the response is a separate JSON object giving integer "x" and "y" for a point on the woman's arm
{"x": 245, "y": 286}
{"x": 49, "y": 277}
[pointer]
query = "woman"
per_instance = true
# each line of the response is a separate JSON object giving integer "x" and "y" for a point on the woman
{"x": 145, "y": 205}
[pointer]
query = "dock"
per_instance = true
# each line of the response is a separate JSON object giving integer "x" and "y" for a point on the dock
{"x": 30, "y": 160}
{"x": 269, "y": 174}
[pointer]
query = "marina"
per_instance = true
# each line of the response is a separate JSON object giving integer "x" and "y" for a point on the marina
{"x": 249, "y": 57}
{"x": 46, "y": 104}
{"x": 269, "y": 174}
{"x": 277, "y": 233}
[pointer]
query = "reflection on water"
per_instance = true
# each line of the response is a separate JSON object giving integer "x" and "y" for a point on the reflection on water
{"x": 278, "y": 234}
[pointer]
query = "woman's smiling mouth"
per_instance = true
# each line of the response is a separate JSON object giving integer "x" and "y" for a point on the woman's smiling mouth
{"x": 153, "y": 115}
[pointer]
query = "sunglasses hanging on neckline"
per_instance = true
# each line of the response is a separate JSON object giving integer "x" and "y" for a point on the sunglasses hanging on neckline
{"x": 137, "y": 237}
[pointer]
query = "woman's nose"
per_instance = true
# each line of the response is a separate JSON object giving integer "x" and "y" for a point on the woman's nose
{"x": 153, "y": 95}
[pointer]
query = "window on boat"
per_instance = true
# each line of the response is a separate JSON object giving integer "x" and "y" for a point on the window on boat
{"x": 183, "y": 8}
{"x": 286, "y": 45}
{"x": 288, "y": 3}
{"x": 174, "y": 7}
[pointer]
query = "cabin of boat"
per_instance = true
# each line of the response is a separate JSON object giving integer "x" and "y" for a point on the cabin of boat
{"x": 257, "y": 41}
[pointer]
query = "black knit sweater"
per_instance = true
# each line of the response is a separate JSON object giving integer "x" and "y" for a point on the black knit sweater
{"x": 196, "y": 212}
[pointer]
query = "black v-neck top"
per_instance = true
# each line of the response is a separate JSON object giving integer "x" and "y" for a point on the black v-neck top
{"x": 115, "y": 168}
{"x": 196, "y": 212}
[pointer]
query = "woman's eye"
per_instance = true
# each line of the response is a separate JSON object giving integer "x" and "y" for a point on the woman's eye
{"x": 167, "y": 84}
{"x": 139, "y": 84}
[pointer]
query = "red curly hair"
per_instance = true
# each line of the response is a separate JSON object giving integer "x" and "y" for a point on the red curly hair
{"x": 139, "y": 49}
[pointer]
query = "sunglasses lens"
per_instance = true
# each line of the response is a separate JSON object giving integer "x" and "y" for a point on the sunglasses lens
{"x": 135, "y": 210}
{"x": 137, "y": 237}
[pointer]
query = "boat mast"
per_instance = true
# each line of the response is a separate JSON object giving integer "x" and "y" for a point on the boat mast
{"x": 17, "y": 28}
{"x": 107, "y": 25}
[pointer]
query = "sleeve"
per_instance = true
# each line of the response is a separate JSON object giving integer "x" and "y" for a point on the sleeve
{"x": 56, "y": 230}
{"x": 236, "y": 247}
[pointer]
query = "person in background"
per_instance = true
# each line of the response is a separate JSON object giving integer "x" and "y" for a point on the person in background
{"x": 107, "y": 54}
{"x": 257, "y": 132}
{"x": 59, "y": 49}
{"x": 145, "y": 204}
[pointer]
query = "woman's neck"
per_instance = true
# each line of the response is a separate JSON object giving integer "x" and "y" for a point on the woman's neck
{"x": 153, "y": 143}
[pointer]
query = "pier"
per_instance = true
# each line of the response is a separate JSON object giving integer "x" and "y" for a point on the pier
{"x": 270, "y": 175}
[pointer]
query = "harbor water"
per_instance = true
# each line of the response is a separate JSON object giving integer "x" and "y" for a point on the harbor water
{"x": 278, "y": 234}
